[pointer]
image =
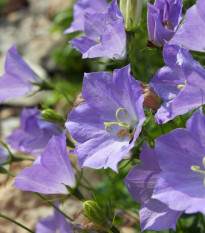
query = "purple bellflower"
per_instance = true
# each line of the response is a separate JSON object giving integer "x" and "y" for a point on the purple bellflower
{"x": 163, "y": 19}
{"x": 140, "y": 182}
{"x": 104, "y": 34}
{"x": 51, "y": 172}
{"x": 108, "y": 123}
{"x": 82, "y": 7}
{"x": 18, "y": 76}
{"x": 181, "y": 84}
{"x": 34, "y": 134}
{"x": 192, "y": 33}
{"x": 53, "y": 224}
{"x": 4, "y": 155}
{"x": 181, "y": 158}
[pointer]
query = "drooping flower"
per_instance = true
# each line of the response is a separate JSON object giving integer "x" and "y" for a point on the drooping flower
{"x": 192, "y": 32}
{"x": 4, "y": 155}
{"x": 53, "y": 224}
{"x": 108, "y": 123}
{"x": 104, "y": 34}
{"x": 163, "y": 19}
{"x": 181, "y": 158}
{"x": 51, "y": 172}
{"x": 18, "y": 76}
{"x": 34, "y": 134}
{"x": 140, "y": 182}
{"x": 82, "y": 7}
{"x": 181, "y": 84}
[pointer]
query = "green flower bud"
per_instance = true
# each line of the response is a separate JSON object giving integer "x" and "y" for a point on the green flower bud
{"x": 51, "y": 116}
{"x": 131, "y": 11}
{"x": 96, "y": 215}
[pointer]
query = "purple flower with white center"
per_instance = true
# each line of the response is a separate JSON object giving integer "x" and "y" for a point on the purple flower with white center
{"x": 104, "y": 34}
{"x": 192, "y": 33}
{"x": 34, "y": 134}
{"x": 163, "y": 19}
{"x": 4, "y": 155}
{"x": 181, "y": 158}
{"x": 51, "y": 172}
{"x": 18, "y": 76}
{"x": 108, "y": 123}
{"x": 181, "y": 84}
{"x": 53, "y": 224}
{"x": 82, "y": 7}
{"x": 140, "y": 182}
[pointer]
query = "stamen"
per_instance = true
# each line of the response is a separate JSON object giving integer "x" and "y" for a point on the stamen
{"x": 181, "y": 86}
{"x": 197, "y": 169}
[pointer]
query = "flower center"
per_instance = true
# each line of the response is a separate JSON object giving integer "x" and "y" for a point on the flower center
{"x": 198, "y": 169}
{"x": 126, "y": 130}
{"x": 181, "y": 86}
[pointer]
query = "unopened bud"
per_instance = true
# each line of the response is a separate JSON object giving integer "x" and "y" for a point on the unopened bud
{"x": 95, "y": 214}
{"x": 51, "y": 116}
{"x": 79, "y": 99}
{"x": 150, "y": 98}
{"x": 131, "y": 11}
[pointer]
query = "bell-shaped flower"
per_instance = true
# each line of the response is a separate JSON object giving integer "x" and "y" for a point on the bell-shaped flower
{"x": 4, "y": 155}
{"x": 18, "y": 77}
{"x": 163, "y": 19}
{"x": 104, "y": 34}
{"x": 181, "y": 83}
{"x": 181, "y": 153}
{"x": 53, "y": 224}
{"x": 140, "y": 182}
{"x": 34, "y": 134}
{"x": 51, "y": 172}
{"x": 192, "y": 32}
{"x": 85, "y": 6}
{"x": 108, "y": 123}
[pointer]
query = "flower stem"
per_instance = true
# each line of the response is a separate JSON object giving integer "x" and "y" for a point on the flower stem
{"x": 17, "y": 223}
{"x": 51, "y": 204}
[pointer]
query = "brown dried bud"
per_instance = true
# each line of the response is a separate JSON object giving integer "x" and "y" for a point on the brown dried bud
{"x": 84, "y": 222}
{"x": 79, "y": 99}
{"x": 150, "y": 97}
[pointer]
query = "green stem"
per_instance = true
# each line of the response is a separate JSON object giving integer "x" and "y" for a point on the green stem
{"x": 17, "y": 223}
{"x": 51, "y": 204}
{"x": 115, "y": 230}
{"x": 161, "y": 128}
{"x": 203, "y": 221}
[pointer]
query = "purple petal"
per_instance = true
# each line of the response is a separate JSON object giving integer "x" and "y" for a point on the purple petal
{"x": 4, "y": 155}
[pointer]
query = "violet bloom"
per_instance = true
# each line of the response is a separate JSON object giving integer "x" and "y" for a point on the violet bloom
{"x": 163, "y": 19}
{"x": 192, "y": 33}
{"x": 82, "y": 7}
{"x": 181, "y": 84}
{"x": 51, "y": 172}
{"x": 140, "y": 182}
{"x": 53, "y": 224}
{"x": 104, "y": 34}
{"x": 34, "y": 134}
{"x": 181, "y": 158}
{"x": 108, "y": 123}
{"x": 18, "y": 76}
{"x": 4, "y": 155}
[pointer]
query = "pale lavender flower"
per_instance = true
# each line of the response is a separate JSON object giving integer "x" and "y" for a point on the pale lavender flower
{"x": 181, "y": 84}
{"x": 181, "y": 158}
{"x": 140, "y": 182}
{"x": 18, "y": 76}
{"x": 163, "y": 19}
{"x": 82, "y": 7}
{"x": 104, "y": 34}
{"x": 107, "y": 124}
{"x": 51, "y": 172}
{"x": 4, "y": 155}
{"x": 34, "y": 134}
{"x": 192, "y": 32}
{"x": 53, "y": 224}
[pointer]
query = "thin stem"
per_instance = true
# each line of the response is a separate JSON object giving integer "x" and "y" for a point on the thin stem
{"x": 51, "y": 204}
{"x": 17, "y": 223}
{"x": 203, "y": 221}
{"x": 161, "y": 128}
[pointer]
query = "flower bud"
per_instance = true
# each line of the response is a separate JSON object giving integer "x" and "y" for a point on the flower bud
{"x": 95, "y": 214}
{"x": 131, "y": 11}
{"x": 150, "y": 98}
{"x": 51, "y": 116}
